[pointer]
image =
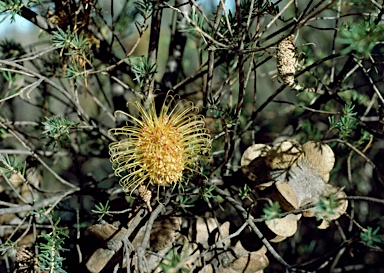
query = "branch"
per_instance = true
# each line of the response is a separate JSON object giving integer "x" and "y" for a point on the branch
{"x": 38, "y": 205}
{"x": 176, "y": 48}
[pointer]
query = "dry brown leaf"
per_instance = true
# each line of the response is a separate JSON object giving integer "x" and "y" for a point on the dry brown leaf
{"x": 340, "y": 210}
{"x": 286, "y": 226}
{"x": 207, "y": 269}
{"x": 239, "y": 249}
{"x": 251, "y": 262}
{"x": 251, "y": 167}
{"x": 319, "y": 157}
{"x": 99, "y": 259}
{"x": 294, "y": 175}
{"x": 106, "y": 231}
{"x": 278, "y": 239}
{"x": 263, "y": 186}
{"x": 288, "y": 198}
{"x": 324, "y": 224}
{"x": 252, "y": 152}
{"x": 283, "y": 155}
{"x": 224, "y": 232}
{"x": 204, "y": 227}
{"x": 325, "y": 177}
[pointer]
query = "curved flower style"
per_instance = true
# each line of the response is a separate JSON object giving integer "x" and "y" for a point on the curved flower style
{"x": 157, "y": 150}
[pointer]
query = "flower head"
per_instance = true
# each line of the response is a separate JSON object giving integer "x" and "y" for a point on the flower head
{"x": 159, "y": 149}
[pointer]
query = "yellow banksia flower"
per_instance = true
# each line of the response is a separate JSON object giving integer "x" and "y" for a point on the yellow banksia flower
{"x": 287, "y": 60}
{"x": 159, "y": 149}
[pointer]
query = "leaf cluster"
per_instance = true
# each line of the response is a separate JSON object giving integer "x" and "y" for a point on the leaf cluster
{"x": 11, "y": 165}
{"x": 370, "y": 237}
{"x": 271, "y": 211}
{"x": 361, "y": 36}
{"x": 102, "y": 209}
{"x": 143, "y": 69}
{"x": 49, "y": 256}
{"x": 11, "y": 8}
{"x": 347, "y": 122}
{"x": 76, "y": 47}
{"x": 58, "y": 129}
{"x": 326, "y": 207}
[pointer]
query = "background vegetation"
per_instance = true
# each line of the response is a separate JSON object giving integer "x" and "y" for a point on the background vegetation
{"x": 58, "y": 98}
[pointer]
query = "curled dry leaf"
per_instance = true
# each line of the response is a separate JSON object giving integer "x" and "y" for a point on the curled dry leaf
{"x": 223, "y": 233}
{"x": 248, "y": 162}
{"x": 339, "y": 210}
{"x": 204, "y": 227}
{"x": 265, "y": 185}
{"x": 319, "y": 157}
{"x": 283, "y": 227}
{"x": 286, "y": 197}
{"x": 305, "y": 185}
{"x": 277, "y": 239}
{"x": 111, "y": 236}
{"x": 293, "y": 174}
{"x": 342, "y": 208}
{"x": 235, "y": 259}
{"x": 251, "y": 262}
{"x": 283, "y": 155}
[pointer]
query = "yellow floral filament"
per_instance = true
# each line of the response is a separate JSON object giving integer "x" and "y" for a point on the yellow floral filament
{"x": 157, "y": 150}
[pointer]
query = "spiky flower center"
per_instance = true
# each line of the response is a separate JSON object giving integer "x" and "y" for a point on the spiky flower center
{"x": 160, "y": 150}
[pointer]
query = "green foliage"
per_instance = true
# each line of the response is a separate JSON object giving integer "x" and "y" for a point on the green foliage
{"x": 10, "y": 49}
{"x": 144, "y": 70}
{"x": 102, "y": 209}
{"x": 271, "y": 211}
{"x": 197, "y": 22}
{"x": 49, "y": 252}
{"x": 11, "y": 165}
{"x": 8, "y": 247}
{"x": 207, "y": 192}
{"x": 355, "y": 97}
{"x": 370, "y": 236}
{"x": 69, "y": 40}
{"x": 310, "y": 131}
{"x": 76, "y": 48}
{"x": 227, "y": 115}
{"x": 133, "y": 9}
{"x": 326, "y": 207}
{"x": 58, "y": 129}
{"x": 347, "y": 122}
{"x": 186, "y": 201}
{"x": 143, "y": 8}
{"x": 244, "y": 192}
{"x": 306, "y": 249}
{"x": 361, "y": 36}
{"x": 364, "y": 137}
{"x": 11, "y": 8}
{"x": 172, "y": 261}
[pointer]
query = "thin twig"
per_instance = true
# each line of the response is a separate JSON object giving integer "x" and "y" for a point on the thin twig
{"x": 144, "y": 244}
{"x": 40, "y": 204}
{"x": 197, "y": 28}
